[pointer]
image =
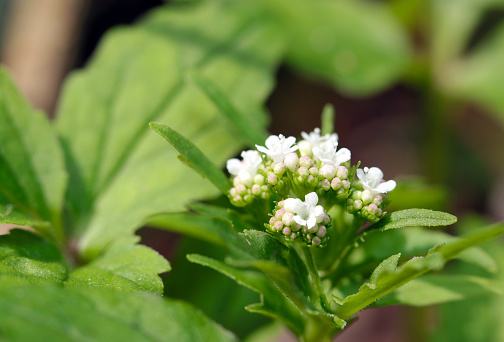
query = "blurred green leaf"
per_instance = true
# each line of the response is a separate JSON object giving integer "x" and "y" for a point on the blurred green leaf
{"x": 436, "y": 289}
{"x": 327, "y": 119}
{"x": 356, "y": 45}
{"x": 412, "y": 218}
{"x": 193, "y": 157}
{"x": 32, "y": 174}
{"x": 32, "y": 313}
{"x": 121, "y": 172}
{"x": 125, "y": 266}
{"x": 387, "y": 278}
{"x": 416, "y": 193}
{"x": 244, "y": 124}
{"x": 30, "y": 259}
{"x": 479, "y": 76}
{"x": 10, "y": 215}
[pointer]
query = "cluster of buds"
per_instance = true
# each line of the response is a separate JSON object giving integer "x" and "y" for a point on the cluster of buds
{"x": 370, "y": 203}
{"x": 316, "y": 167}
{"x": 248, "y": 183}
{"x": 294, "y": 218}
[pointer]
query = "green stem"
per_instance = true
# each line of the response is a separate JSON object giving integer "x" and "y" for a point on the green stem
{"x": 312, "y": 269}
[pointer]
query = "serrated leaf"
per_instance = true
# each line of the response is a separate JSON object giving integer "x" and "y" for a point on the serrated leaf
{"x": 51, "y": 313}
{"x": 392, "y": 279}
{"x": 32, "y": 174}
{"x": 436, "y": 289}
{"x": 193, "y": 156}
{"x": 244, "y": 124}
{"x": 413, "y": 218}
{"x": 125, "y": 266}
{"x": 28, "y": 258}
{"x": 121, "y": 171}
{"x": 358, "y": 46}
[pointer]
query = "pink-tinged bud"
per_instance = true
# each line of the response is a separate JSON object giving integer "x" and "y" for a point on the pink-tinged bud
{"x": 278, "y": 226}
{"x": 264, "y": 188}
{"x": 373, "y": 208}
{"x": 241, "y": 189}
{"x": 237, "y": 198}
{"x": 303, "y": 171}
{"x": 305, "y": 161}
{"x": 325, "y": 184}
{"x": 322, "y": 231}
{"x": 310, "y": 179}
{"x": 281, "y": 203}
{"x": 272, "y": 220}
{"x": 259, "y": 179}
{"x": 256, "y": 189}
{"x": 265, "y": 195}
{"x": 304, "y": 229}
{"x": 291, "y": 161}
{"x": 326, "y": 219}
{"x": 295, "y": 227}
{"x": 233, "y": 192}
{"x": 328, "y": 171}
{"x": 378, "y": 200}
{"x": 279, "y": 213}
{"x": 286, "y": 231}
{"x": 346, "y": 184}
{"x": 248, "y": 198}
{"x": 341, "y": 191}
{"x": 356, "y": 195}
{"x": 236, "y": 181}
{"x": 272, "y": 178}
{"x": 316, "y": 241}
{"x": 313, "y": 171}
{"x": 336, "y": 184}
{"x": 367, "y": 196}
{"x": 342, "y": 172}
{"x": 279, "y": 169}
{"x": 357, "y": 204}
{"x": 293, "y": 236}
{"x": 288, "y": 219}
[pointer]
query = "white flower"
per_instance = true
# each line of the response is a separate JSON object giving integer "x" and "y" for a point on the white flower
{"x": 245, "y": 169}
{"x": 308, "y": 213}
{"x": 314, "y": 139}
{"x": 327, "y": 153}
{"x": 278, "y": 146}
{"x": 371, "y": 179}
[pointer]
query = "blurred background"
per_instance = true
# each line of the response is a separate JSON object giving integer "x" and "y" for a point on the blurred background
{"x": 438, "y": 125}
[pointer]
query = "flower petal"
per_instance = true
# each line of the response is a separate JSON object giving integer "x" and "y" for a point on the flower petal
{"x": 361, "y": 175}
{"x": 299, "y": 220}
{"x": 343, "y": 155}
{"x": 234, "y": 166}
{"x": 311, "y": 199}
{"x": 386, "y": 187}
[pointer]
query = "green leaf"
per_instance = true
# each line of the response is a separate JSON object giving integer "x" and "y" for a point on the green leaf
{"x": 273, "y": 302}
{"x": 389, "y": 279}
{"x": 414, "y": 217}
{"x": 121, "y": 172}
{"x": 10, "y": 215}
{"x": 32, "y": 175}
{"x": 193, "y": 157}
{"x": 32, "y": 313}
{"x": 479, "y": 76}
{"x": 245, "y": 124}
{"x": 125, "y": 266}
{"x": 28, "y": 258}
{"x": 358, "y": 46}
{"x": 436, "y": 289}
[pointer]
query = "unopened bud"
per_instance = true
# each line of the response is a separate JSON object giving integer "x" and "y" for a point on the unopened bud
{"x": 328, "y": 171}
{"x": 291, "y": 161}
{"x": 305, "y": 161}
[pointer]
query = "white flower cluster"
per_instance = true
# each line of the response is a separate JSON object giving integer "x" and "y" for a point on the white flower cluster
{"x": 314, "y": 167}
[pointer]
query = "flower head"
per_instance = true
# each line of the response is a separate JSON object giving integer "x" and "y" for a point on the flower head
{"x": 245, "y": 169}
{"x": 308, "y": 213}
{"x": 327, "y": 153}
{"x": 372, "y": 180}
{"x": 278, "y": 146}
{"x": 314, "y": 139}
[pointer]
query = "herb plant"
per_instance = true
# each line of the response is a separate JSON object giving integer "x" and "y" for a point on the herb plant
{"x": 295, "y": 220}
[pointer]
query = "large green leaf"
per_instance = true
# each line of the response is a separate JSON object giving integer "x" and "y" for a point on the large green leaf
{"x": 356, "y": 45}
{"x": 414, "y": 217}
{"x": 125, "y": 266}
{"x": 32, "y": 175}
{"x": 121, "y": 171}
{"x": 28, "y": 258}
{"x": 32, "y": 313}
{"x": 387, "y": 277}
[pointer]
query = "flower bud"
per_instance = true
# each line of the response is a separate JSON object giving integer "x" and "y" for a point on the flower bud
{"x": 256, "y": 189}
{"x": 367, "y": 196}
{"x": 325, "y": 184}
{"x": 328, "y": 171}
{"x": 342, "y": 172}
{"x": 259, "y": 179}
{"x": 291, "y": 161}
{"x": 303, "y": 171}
{"x": 286, "y": 231}
{"x": 316, "y": 241}
{"x": 336, "y": 184}
{"x": 272, "y": 178}
{"x": 305, "y": 147}
{"x": 279, "y": 213}
{"x": 306, "y": 162}
{"x": 322, "y": 231}
{"x": 241, "y": 189}
{"x": 278, "y": 226}
{"x": 288, "y": 219}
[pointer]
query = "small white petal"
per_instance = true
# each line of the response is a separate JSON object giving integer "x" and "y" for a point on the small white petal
{"x": 386, "y": 187}
{"x": 292, "y": 205}
{"x": 342, "y": 156}
{"x": 234, "y": 166}
{"x": 311, "y": 222}
{"x": 311, "y": 199}
{"x": 262, "y": 149}
{"x": 299, "y": 220}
